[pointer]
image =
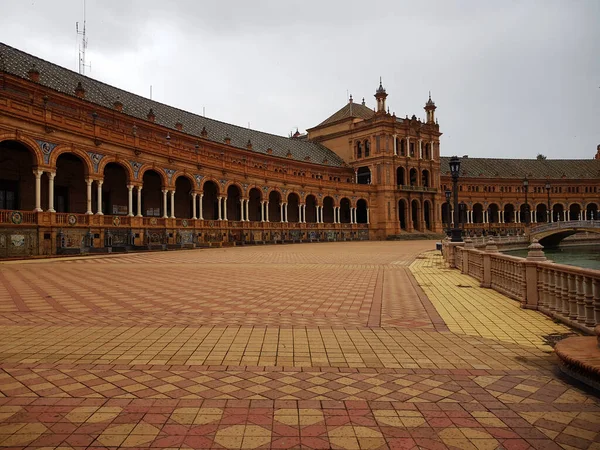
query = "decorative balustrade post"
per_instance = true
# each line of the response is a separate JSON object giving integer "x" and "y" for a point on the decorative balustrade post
{"x": 465, "y": 255}
{"x": 588, "y": 288}
{"x": 490, "y": 249}
{"x": 551, "y": 281}
{"x": 597, "y": 300}
{"x": 572, "y": 296}
{"x": 564, "y": 294}
{"x": 580, "y": 296}
{"x": 532, "y": 286}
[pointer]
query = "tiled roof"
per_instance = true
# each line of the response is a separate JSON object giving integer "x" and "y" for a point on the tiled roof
{"x": 349, "y": 110}
{"x": 63, "y": 80}
{"x": 532, "y": 168}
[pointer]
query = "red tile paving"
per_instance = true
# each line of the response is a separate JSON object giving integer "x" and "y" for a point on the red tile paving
{"x": 304, "y": 346}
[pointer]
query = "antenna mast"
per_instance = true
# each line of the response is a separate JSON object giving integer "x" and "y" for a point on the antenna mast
{"x": 82, "y": 45}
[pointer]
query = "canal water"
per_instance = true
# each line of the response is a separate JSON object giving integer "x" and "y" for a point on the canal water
{"x": 587, "y": 256}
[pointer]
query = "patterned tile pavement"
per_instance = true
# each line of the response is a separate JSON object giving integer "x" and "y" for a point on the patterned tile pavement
{"x": 303, "y": 346}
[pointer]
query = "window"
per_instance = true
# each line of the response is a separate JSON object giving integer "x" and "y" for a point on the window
{"x": 367, "y": 148}
{"x": 9, "y": 195}
{"x": 358, "y": 150}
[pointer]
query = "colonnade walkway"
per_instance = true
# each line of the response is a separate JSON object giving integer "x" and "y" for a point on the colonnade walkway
{"x": 357, "y": 345}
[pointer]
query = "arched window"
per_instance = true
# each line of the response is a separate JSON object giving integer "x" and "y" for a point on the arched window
{"x": 358, "y": 150}
{"x": 367, "y": 148}
{"x": 402, "y": 147}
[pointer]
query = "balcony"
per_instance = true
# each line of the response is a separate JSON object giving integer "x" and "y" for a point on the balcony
{"x": 417, "y": 188}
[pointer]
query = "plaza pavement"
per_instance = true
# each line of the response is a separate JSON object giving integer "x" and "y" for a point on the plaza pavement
{"x": 336, "y": 345}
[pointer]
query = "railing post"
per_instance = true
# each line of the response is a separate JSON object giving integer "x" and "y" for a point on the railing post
{"x": 532, "y": 287}
{"x": 465, "y": 256}
{"x": 588, "y": 287}
{"x": 490, "y": 248}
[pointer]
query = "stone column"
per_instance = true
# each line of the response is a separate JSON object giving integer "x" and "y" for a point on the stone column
{"x": 88, "y": 183}
{"x": 38, "y": 190}
{"x": 172, "y": 204}
{"x": 225, "y": 208}
{"x": 247, "y": 210}
{"x": 568, "y": 214}
{"x": 99, "y": 183}
{"x": 368, "y": 217}
{"x": 200, "y": 210}
{"x": 242, "y": 209}
{"x": 304, "y": 213}
{"x": 139, "y": 201}
{"x": 266, "y": 210}
{"x": 517, "y": 216}
{"x": 285, "y": 209}
{"x": 219, "y": 217}
{"x": 262, "y": 210}
{"x": 281, "y": 212}
{"x": 51, "y": 176}
{"x": 129, "y": 200}
{"x": 300, "y": 213}
{"x": 194, "y": 195}
{"x": 164, "y": 192}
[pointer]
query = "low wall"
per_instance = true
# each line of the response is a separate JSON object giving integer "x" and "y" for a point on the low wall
{"x": 566, "y": 293}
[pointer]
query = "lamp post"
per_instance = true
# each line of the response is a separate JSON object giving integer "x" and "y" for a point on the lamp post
{"x": 455, "y": 172}
{"x": 549, "y": 218}
{"x": 526, "y": 189}
{"x": 448, "y": 193}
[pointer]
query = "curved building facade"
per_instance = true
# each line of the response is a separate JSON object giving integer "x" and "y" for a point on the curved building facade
{"x": 90, "y": 167}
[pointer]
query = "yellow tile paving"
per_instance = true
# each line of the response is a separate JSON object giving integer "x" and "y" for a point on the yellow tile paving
{"x": 470, "y": 309}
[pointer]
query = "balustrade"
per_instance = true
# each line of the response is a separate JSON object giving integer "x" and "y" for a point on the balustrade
{"x": 18, "y": 217}
{"x": 567, "y": 293}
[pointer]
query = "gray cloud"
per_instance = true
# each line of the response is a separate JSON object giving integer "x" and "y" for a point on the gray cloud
{"x": 510, "y": 78}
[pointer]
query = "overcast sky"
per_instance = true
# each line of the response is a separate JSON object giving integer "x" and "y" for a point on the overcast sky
{"x": 510, "y": 78}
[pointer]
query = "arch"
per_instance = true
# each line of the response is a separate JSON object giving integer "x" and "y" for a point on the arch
{"x": 212, "y": 180}
{"x": 29, "y": 144}
{"x": 17, "y": 182}
{"x": 575, "y": 211}
{"x": 592, "y": 211}
{"x": 493, "y": 213}
{"x": 146, "y": 167}
{"x": 524, "y": 213}
{"x": 115, "y": 196}
{"x": 427, "y": 214}
{"x": 234, "y": 206}
{"x": 293, "y": 202}
{"x": 425, "y": 178}
{"x": 477, "y": 213}
{"x": 152, "y": 185}
{"x": 362, "y": 207}
{"x": 112, "y": 160}
{"x": 415, "y": 209}
{"x": 541, "y": 213}
{"x": 83, "y": 156}
{"x": 400, "y": 176}
{"x": 254, "y": 205}
{"x": 210, "y": 200}
{"x": 412, "y": 179}
{"x": 311, "y": 208}
{"x": 558, "y": 212}
{"x": 184, "y": 187}
{"x": 402, "y": 209}
{"x": 328, "y": 204}
{"x": 345, "y": 206}
{"x": 69, "y": 184}
{"x": 363, "y": 175}
{"x": 274, "y": 206}
{"x": 509, "y": 213}
{"x": 185, "y": 175}
{"x": 446, "y": 212}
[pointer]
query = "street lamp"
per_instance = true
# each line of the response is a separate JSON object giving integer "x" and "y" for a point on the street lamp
{"x": 448, "y": 218}
{"x": 549, "y": 218}
{"x": 455, "y": 172}
{"x": 526, "y": 189}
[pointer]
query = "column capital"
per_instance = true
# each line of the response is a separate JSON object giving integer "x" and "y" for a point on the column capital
{"x": 38, "y": 172}
{"x": 164, "y": 191}
{"x": 51, "y": 175}
{"x": 139, "y": 188}
{"x": 130, "y": 187}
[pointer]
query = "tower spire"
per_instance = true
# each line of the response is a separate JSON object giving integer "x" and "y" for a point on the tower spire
{"x": 380, "y": 95}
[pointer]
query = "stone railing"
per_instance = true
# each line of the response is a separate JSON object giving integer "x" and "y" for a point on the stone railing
{"x": 17, "y": 217}
{"x": 566, "y": 224}
{"x": 567, "y": 293}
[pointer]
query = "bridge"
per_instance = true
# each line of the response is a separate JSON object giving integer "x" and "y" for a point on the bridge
{"x": 550, "y": 234}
